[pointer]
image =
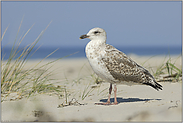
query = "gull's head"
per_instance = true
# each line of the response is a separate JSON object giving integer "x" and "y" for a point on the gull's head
{"x": 95, "y": 34}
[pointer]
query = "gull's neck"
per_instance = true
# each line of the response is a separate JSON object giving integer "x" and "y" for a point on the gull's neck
{"x": 98, "y": 41}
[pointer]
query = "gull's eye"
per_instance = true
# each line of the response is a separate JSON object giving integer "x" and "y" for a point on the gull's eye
{"x": 96, "y": 32}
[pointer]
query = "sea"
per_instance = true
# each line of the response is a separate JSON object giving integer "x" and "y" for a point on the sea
{"x": 79, "y": 52}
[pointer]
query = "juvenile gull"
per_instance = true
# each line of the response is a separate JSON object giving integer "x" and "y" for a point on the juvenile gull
{"x": 113, "y": 65}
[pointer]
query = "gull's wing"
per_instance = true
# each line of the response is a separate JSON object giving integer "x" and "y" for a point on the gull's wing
{"x": 123, "y": 68}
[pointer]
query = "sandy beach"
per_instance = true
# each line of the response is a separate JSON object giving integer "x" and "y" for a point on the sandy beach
{"x": 136, "y": 103}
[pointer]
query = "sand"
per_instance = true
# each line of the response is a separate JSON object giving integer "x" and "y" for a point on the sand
{"x": 136, "y": 103}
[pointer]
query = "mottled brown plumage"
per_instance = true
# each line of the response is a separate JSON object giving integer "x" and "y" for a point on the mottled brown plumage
{"x": 124, "y": 69}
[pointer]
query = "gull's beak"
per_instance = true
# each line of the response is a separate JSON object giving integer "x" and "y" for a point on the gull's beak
{"x": 83, "y": 36}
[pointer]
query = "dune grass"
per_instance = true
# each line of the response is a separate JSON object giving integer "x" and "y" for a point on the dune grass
{"x": 26, "y": 82}
{"x": 173, "y": 70}
{"x": 169, "y": 70}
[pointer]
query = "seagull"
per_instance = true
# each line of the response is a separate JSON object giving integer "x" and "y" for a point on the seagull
{"x": 114, "y": 66}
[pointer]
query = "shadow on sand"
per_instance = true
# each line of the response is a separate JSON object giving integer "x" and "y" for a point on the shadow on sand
{"x": 123, "y": 100}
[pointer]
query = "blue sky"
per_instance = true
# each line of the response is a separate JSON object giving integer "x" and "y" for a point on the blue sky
{"x": 126, "y": 23}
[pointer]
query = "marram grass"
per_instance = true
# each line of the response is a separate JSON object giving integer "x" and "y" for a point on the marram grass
{"x": 26, "y": 82}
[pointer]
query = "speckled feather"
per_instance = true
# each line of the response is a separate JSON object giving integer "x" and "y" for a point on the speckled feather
{"x": 124, "y": 69}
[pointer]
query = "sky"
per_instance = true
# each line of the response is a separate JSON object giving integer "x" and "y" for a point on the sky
{"x": 126, "y": 23}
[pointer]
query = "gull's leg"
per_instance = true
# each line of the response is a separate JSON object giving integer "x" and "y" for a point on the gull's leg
{"x": 110, "y": 90}
{"x": 108, "y": 101}
{"x": 115, "y": 99}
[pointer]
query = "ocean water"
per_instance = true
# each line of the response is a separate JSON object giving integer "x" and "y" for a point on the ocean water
{"x": 79, "y": 52}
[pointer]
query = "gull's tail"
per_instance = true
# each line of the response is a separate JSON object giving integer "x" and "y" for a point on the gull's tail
{"x": 155, "y": 85}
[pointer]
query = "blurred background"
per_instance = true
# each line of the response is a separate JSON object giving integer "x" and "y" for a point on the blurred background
{"x": 141, "y": 28}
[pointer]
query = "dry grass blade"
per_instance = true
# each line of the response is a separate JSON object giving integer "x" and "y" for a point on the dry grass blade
{"x": 87, "y": 91}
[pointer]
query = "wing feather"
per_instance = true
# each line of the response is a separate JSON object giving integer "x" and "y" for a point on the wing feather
{"x": 123, "y": 68}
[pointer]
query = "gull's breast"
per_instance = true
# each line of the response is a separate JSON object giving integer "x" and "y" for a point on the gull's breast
{"x": 94, "y": 55}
